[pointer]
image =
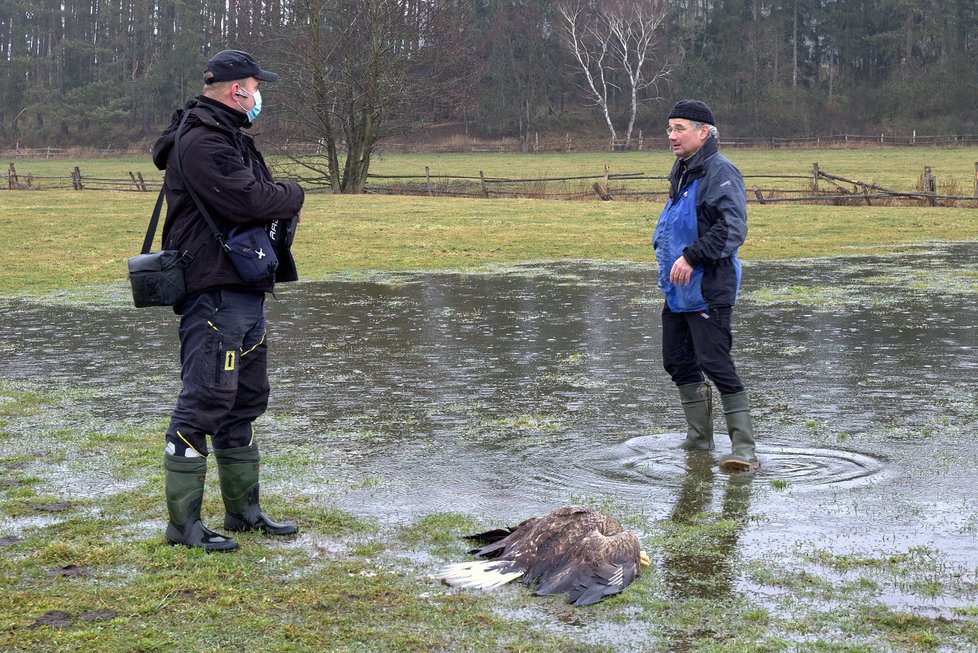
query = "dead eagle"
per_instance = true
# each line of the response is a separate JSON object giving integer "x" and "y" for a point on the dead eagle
{"x": 574, "y": 549}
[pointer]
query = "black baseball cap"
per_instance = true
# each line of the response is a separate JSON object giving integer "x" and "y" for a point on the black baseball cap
{"x": 229, "y": 65}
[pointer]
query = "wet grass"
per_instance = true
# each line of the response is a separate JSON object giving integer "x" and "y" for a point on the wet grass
{"x": 92, "y": 572}
{"x": 81, "y": 240}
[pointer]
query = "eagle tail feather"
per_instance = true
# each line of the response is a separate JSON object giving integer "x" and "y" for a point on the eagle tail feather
{"x": 479, "y": 574}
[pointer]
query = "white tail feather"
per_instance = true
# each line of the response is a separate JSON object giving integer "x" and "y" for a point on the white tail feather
{"x": 480, "y": 574}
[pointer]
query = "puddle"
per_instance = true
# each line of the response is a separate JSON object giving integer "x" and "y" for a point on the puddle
{"x": 655, "y": 458}
{"x": 504, "y": 394}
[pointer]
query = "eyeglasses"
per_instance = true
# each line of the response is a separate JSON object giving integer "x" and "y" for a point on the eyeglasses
{"x": 678, "y": 129}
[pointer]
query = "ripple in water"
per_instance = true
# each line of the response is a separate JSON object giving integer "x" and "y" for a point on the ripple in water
{"x": 654, "y": 461}
{"x": 648, "y": 457}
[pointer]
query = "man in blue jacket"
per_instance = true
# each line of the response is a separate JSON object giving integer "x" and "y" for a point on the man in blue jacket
{"x": 223, "y": 348}
{"x": 696, "y": 241}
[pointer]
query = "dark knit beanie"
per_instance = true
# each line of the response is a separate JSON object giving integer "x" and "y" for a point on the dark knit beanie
{"x": 693, "y": 110}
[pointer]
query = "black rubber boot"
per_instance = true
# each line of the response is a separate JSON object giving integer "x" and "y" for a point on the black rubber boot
{"x": 736, "y": 410}
{"x": 184, "y": 493}
{"x": 238, "y": 471}
{"x": 697, "y": 400}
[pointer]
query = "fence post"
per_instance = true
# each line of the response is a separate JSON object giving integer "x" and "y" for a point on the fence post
{"x": 913, "y": 139}
{"x": 641, "y": 142}
{"x": 815, "y": 177}
{"x": 77, "y": 179}
{"x": 427, "y": 180}
{"x": 142, "y": 182}
{"x": 12, "y": 177}
{"x": 607, "y": 189}
{"x": 482, "y": 180}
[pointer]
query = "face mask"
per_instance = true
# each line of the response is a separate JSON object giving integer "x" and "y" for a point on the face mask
{"x": 255, "y": 110}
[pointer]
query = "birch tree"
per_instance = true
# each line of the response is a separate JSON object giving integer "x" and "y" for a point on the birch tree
{"x": 616, "y": 40}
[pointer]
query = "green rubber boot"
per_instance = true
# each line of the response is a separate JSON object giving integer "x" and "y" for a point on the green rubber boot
{"x": 697, "y": 400}
{"x": 736, "y": 410}
{"x": 238, "y": 471}
{"x": 184, "y": 493}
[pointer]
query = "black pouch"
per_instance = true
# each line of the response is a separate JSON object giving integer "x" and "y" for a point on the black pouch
{"x": 157, "y": 278}
{"x": 282, "y": 232}
{"x": 252, "y": 253}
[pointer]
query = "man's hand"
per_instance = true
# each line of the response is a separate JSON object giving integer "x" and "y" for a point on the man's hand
{"x": 681, "y": 272}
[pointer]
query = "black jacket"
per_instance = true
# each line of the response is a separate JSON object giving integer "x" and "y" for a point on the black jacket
{"x": 230, "y": 177}
{"x": 721, "y": 219}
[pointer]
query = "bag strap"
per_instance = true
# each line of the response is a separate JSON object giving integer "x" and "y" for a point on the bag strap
{"x": 151, "y": 230}
{"x": 200, "y": 205}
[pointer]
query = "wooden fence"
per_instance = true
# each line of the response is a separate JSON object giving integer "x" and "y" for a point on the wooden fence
{"x": 75, "y": 181}
{"x": 818, "y": 187}
{"x": 18, "y": 152}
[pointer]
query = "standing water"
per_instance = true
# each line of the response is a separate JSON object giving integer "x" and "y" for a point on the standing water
{"x": 504, "y": 394}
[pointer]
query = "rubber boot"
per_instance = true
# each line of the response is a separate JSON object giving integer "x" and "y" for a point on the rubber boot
{"x": 238, "y": 471}
{"x": 736, "y": 410}
{"x": 697, "y": 400}
{"x": 184, "y": 493}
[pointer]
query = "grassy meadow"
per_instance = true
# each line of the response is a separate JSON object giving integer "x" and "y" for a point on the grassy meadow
{"x": 94, "y": 574}
{"x": 83, "y": 238}
{"x": 62, "y": 239}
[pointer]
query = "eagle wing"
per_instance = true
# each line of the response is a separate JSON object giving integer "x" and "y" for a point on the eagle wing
{"x": 574, "y": 550}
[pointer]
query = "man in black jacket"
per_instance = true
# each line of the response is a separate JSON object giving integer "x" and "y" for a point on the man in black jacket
{"x": 696, "y": 241}
{"x": 223, "y": 346}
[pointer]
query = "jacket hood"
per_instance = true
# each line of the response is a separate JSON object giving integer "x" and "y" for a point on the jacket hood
{"x": 203, "y": 111}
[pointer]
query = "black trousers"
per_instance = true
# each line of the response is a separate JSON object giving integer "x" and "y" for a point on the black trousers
{"x": 224, "y": 369}
{"x": 697, "y": 344}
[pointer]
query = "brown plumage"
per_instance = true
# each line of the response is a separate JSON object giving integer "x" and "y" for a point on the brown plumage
{"x": 574, "y": 550}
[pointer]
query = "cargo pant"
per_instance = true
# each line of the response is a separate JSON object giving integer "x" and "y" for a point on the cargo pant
{"x": 224, "y": 370}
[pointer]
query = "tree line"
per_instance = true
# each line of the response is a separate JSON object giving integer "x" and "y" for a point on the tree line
{"x": 111, "y": 72}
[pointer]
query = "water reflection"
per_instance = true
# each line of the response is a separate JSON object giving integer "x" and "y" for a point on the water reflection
{"x": 701, "y": 559}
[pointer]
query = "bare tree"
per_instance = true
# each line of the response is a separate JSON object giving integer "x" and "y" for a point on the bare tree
{"x": 357, "y": 64}
{"x": 615, "y": 39}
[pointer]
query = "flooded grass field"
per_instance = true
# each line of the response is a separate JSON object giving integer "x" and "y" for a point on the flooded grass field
{"x": 501, "y": 395}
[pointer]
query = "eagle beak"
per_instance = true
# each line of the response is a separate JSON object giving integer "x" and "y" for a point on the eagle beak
{"x": 643, "y": 559}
